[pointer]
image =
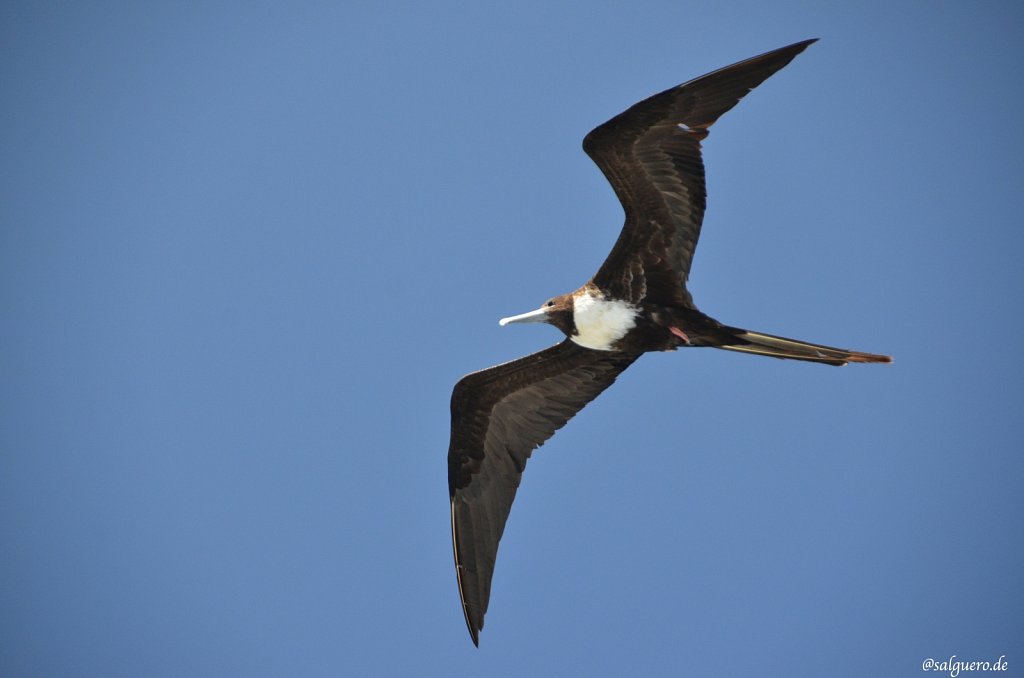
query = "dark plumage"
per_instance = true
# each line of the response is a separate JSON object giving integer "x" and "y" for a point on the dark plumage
{"x": 637, "y": 302}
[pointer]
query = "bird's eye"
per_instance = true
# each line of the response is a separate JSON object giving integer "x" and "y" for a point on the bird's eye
{"x": 550, "y": 303}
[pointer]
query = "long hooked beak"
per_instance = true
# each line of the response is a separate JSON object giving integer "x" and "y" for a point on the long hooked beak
{"x": 538, "y": 316}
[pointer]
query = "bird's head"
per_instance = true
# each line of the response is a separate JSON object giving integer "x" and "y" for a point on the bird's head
{"x": 557, "y": 311}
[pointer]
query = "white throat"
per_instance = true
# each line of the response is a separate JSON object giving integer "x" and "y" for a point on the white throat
{"x": 600, "y": 323}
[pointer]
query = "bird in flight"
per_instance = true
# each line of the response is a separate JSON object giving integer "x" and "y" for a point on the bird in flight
{"x": 637, "y": 302}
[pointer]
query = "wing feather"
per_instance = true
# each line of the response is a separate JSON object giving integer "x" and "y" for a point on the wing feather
{"x": 651, "y": 155}
{"x": 499, "y": 416}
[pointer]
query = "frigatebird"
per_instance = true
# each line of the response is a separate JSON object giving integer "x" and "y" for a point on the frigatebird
{"x": 637, "y": 302}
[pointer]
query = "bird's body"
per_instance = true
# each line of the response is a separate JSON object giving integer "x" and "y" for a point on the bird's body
{"x": 636, "y": 303}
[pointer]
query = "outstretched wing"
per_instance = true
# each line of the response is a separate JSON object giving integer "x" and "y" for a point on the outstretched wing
{"x": 651, "y": 155}
{"x": 499, "y": 416}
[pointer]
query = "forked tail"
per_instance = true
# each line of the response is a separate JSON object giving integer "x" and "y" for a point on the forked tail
{"x": 780, "y": 347}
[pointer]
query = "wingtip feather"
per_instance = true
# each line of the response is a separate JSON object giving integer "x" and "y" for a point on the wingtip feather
{"x": 474, "y": 630}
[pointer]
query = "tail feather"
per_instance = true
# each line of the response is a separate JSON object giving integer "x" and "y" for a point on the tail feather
{"x": 780, "y": 347}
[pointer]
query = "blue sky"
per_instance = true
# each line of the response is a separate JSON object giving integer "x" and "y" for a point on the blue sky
{"x": 247, "y": 249}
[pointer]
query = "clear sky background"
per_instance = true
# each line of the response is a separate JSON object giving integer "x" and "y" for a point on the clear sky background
{"x": 248, "y": 248}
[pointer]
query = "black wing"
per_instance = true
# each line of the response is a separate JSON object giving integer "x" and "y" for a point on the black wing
{"x": 499, "y": 416}
{"x": 651, "y": 155}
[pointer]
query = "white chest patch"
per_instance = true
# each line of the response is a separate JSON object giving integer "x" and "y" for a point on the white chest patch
{"x": 600, "y": 323}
